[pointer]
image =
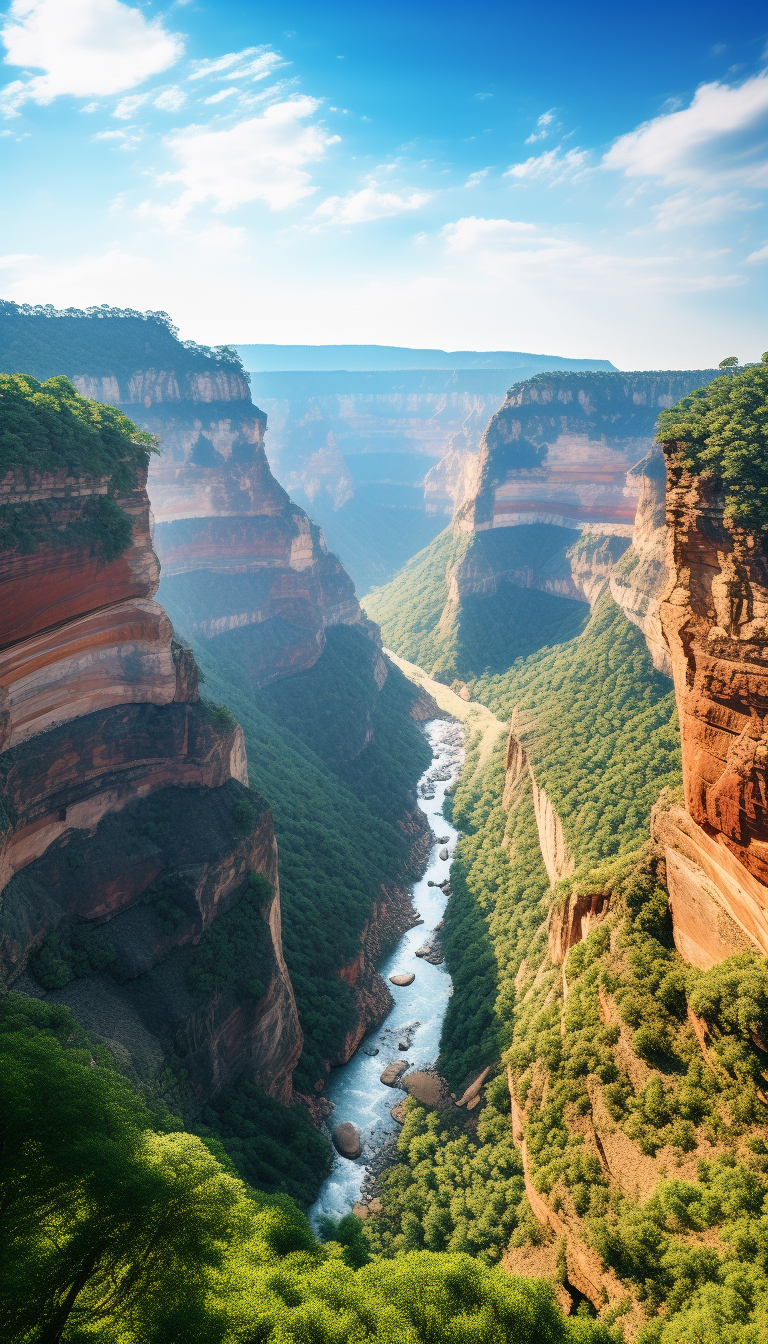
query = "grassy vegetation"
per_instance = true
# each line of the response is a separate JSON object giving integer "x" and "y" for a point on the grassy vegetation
{"x": 723, "y": 430}
{"x": 119, "y": 1226}
{"x": 336, "y": 819}
{"x": 482, "y": 633}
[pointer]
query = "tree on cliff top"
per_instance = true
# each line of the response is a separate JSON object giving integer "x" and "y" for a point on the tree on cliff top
{"x": 722, "y": 430}
{"x": 49, "y": 427}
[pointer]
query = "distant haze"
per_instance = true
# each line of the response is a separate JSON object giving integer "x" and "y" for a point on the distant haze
{"x": 330, "y": 358}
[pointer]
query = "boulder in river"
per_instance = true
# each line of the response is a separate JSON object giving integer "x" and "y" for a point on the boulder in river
{"x": 443, "y": 854}
{"x": 371, "y": 1052}
{"x": 394, "y": 1071}
{"x": 398, "y": 1112}
{"x": 443, "y": 839}
{"x": 402, "y": 979}
{"x": 346, "y": 1140}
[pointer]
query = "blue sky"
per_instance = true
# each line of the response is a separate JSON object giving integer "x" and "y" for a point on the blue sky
{"x": 579, "y": 180}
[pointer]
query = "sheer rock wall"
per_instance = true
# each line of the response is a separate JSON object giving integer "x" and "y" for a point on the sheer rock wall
{"x": 114, "y": 777}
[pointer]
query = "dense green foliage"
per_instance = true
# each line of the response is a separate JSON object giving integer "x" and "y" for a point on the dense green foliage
{"x": 100, "y": 524}
{"x": 452, "y": 1190}
{"x": 336, "y": 820}
{"x": 723, "y": 429}
{"x": 45, "y": 341}
{"x": 229, "y": 950}
{"x": 117, "y": 1226}
{"x": 275, "y": 1148}
{"x": 482, "y": 633}
{"x": 603, "y": 738}
{"x": 71, "y": 956}
{"x": 49, "y": 427}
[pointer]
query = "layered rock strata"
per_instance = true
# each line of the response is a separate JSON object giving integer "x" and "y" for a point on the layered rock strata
{"x": 714, "y": 615}
{"x": 244, "y": 568}
{"x": 117, "y": 787}
{"x": 559, "y": 449}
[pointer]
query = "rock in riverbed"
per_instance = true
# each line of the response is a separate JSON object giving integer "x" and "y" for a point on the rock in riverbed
{"x": 391, "y": 1075}
{"x": 443, "y": 854}
{"x": 346, "y": 1141}
{"x": 402, "y": 979}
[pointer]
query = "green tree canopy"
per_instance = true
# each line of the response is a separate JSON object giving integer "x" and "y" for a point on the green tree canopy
{"x": 722, "y": 429}
{"x": 49, "y": 427}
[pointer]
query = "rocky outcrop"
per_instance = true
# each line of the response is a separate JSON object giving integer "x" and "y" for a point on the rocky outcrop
{"x": 559, "y": 449}
{"x": 714, "y": 615}
{"x": 555, "y": 853}
{"x": 126, "y": 825}
{"x": 573, "y": 920}
{"x": 243, "y": 567}
{"x": 372, "y": 1001}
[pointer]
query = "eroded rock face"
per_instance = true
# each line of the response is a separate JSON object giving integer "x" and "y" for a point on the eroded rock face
{"x": 559, "y": 449}
{"x": 113, "y": 777}
{"x": 243, "y": 567}
{"x": 714, "y": 616}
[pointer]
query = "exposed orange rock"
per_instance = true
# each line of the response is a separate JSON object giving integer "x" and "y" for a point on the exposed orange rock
{"x": 714, "y": 615}
{"x": 574, "y": 920}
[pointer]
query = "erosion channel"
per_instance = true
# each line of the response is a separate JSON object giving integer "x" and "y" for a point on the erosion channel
{"x": 411, "y": 1031}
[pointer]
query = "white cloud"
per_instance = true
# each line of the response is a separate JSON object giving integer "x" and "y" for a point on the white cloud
{"x": 544, "y": 122}
{"x": 84, "y": 47}
{"x": 127, "y": 106}
{"x": 220, "y": 96}
{"x": 251, "y": 63}
{"x": 551, "y": 164}
{"x": 760, "y": 255}
{"x": 472, "y": 233}
{"x": 721, "y": 138}
{"x": 360, "y": 207}
{"x": 518, "y": 254}
{"x": 475, "y": 179}
{"x": 170, "y": 100}
{"x": 694, "y": 209}
{"x": 261, "y": 158}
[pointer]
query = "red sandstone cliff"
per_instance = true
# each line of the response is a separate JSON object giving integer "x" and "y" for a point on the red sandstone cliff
{"x": 714, "y": 615}
{"x": 114, "y": 778}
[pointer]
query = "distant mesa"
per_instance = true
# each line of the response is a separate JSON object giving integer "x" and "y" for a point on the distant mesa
{"x": 328, "y": 358}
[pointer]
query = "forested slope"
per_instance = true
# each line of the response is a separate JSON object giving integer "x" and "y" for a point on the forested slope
{"x": 336, "y": 819}
{"x": 634, "y": 1084}
{"x": 462, "y": 606}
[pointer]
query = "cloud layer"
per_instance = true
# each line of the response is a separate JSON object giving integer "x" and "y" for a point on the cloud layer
{"x": 83, "y": 47}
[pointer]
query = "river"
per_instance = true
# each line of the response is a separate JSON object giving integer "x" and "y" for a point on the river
{"x": 417, "y": 1015}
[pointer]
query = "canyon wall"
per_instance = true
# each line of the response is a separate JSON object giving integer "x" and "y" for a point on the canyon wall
{"x": 560, "y": 448}
{"x": 127, "y": 829}
{"x": 714, "y": 616}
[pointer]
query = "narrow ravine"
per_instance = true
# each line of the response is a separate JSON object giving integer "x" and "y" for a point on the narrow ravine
{"x": 416, "y": 1020}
